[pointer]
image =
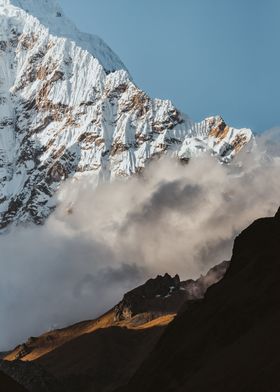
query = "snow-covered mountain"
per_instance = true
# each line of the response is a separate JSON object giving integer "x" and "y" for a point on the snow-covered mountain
{"x": 68, "y": 107}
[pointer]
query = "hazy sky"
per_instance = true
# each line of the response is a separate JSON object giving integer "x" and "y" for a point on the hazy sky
{"x": 207, "y": 56}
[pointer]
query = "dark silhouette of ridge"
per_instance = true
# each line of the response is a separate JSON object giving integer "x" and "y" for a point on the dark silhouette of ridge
{"x": 7, "y": 384}
{"x": 102, "y": 360}
{"x": 228, "y": 341}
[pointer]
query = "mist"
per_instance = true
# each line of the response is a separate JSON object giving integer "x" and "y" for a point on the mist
{"x": 101, "y": 242}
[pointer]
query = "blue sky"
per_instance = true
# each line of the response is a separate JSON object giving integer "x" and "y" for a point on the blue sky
{"x": 207, "y": 56}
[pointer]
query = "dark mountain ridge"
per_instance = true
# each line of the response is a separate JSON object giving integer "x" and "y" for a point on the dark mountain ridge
{"x": 228, "y": 341}
{"x": 7, "y": 384}
{"x": 225, "y": 340}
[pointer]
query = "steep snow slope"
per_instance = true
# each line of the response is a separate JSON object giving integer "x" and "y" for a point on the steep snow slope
{"x": 50, "y": 14}
{"x": 68, "y": 106}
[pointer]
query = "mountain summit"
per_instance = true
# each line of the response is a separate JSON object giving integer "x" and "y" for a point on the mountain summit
{"x": 68, "y": 106}
{"x": 51, "y": 16}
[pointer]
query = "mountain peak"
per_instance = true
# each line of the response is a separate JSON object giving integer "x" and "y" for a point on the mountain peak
{"x": 166, "y": 294}
{"x": 30, "y": 3}
{"x": 51, "y": 16}
{"x": 30, "y": 6}
{"x": 69, "y": 107}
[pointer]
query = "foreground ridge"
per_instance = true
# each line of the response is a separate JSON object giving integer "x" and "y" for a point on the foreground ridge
{"x": 229, "y": 340}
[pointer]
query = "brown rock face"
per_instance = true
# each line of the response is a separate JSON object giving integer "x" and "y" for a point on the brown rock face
{"x": 220, "y": 130}
{"x": 160, "y": 295}
{"x": 166, "y": 295}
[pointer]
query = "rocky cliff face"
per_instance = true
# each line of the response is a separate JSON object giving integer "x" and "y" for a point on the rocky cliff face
{"x": 68, "y": 107}
{"x": 165, "y": 295}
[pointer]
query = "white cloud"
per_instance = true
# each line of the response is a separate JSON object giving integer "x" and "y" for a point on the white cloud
{"x": 100, "y": 243}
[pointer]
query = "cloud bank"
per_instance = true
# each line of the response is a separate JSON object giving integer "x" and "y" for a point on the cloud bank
{"x": 101, "y": 242}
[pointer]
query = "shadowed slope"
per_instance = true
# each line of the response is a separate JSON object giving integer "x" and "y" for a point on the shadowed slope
{"x": 102, "y": 360}
{"x": 9, "y": 385}
{"x": 35, "y": 347}
{"x": 229, "y": 340}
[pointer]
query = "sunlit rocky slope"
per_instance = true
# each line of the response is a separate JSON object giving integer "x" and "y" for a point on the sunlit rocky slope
{"x": 104, "y": 353}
